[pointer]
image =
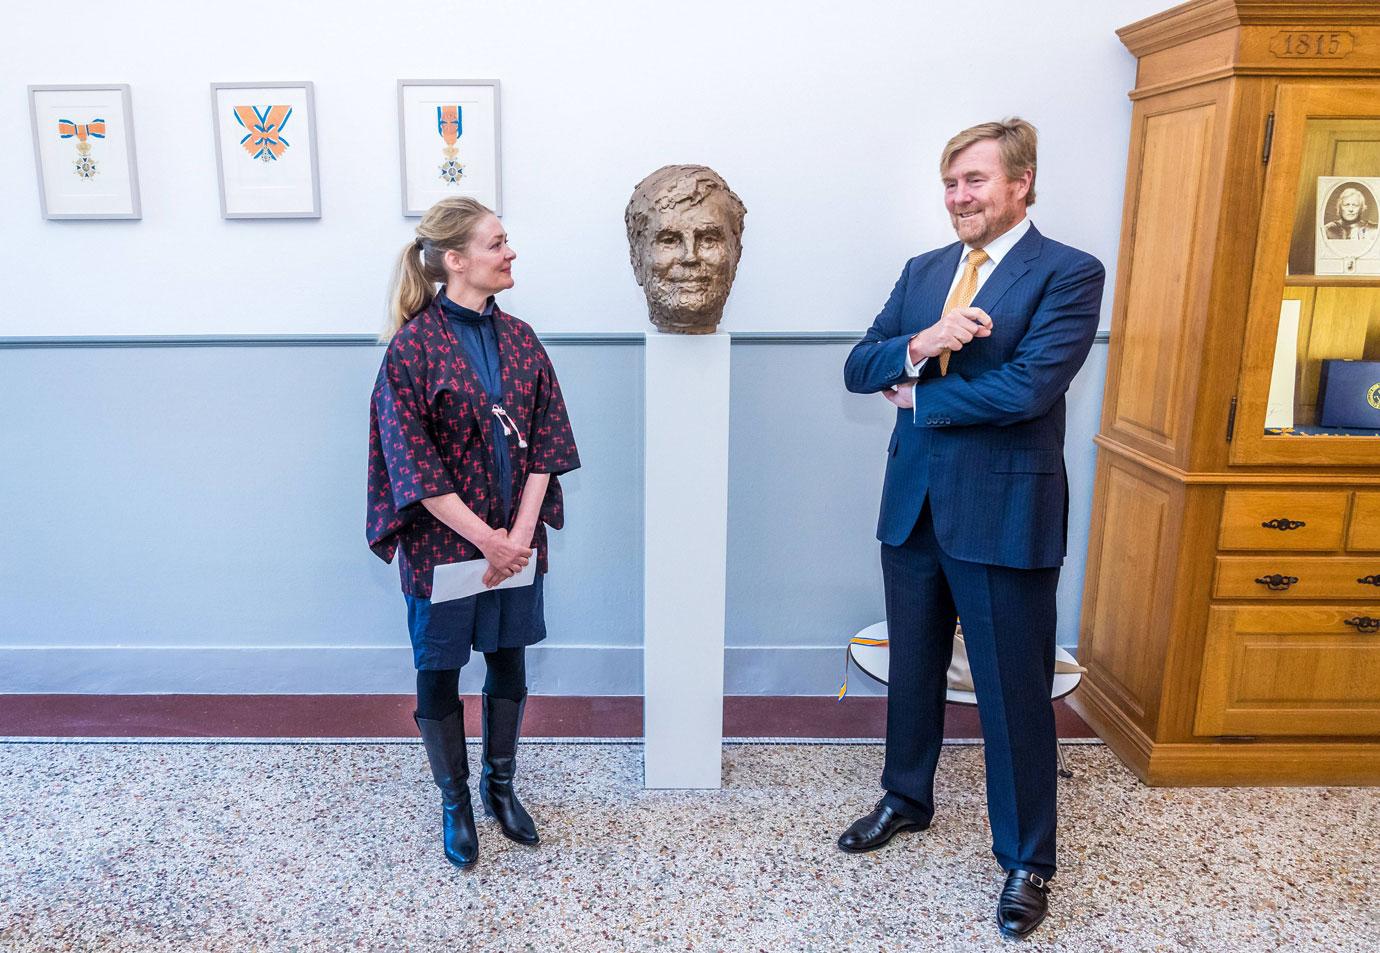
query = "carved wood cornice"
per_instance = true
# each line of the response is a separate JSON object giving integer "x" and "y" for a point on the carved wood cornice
{"x": 1200, "y": 18}
{"x": 1188, "y": 21}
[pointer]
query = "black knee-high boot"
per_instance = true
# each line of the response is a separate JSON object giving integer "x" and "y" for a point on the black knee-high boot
{"x": 502, "y": 724}
{"x": 444, "y": 740}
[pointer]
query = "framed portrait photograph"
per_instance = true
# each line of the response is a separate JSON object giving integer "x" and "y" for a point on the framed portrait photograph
{"x": 266, "y": 150}
{"x": 448, "y": 142}
{"x": 1348, "y": 226}
{"x": 84, "y": 151}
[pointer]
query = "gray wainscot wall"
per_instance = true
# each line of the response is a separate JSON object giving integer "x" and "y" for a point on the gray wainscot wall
{"x": 186, "y": 515}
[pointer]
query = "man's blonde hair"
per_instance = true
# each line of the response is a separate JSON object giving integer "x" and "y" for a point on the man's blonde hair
{"x": 1017, "y": 139}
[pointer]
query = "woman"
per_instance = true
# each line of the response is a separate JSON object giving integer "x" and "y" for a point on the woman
{"x": 467, "y": 432}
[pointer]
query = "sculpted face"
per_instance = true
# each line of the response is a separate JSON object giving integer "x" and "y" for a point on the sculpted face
{"x": 684, "y": 246}
{"x": 687, "y": 265}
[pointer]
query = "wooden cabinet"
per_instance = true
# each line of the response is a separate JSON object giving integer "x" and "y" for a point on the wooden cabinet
{"x": 1289, "y": 672}
{"x": 1365, "y": 523}
{"x": 1282, "y": 519}
{"x": 1288, "y": 576}
{"x": 1231, "y": 615}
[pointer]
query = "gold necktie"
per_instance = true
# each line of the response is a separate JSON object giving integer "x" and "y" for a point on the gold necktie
{"x": 963, "y": 294}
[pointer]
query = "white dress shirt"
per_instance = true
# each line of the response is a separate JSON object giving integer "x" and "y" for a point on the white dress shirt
{"x": 996, "y": 250}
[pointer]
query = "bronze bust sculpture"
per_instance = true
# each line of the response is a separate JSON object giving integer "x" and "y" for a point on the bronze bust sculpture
{"x": 685, "y": 236}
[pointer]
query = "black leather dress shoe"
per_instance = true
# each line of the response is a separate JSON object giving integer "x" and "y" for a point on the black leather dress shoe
{"x": 1023, "y": 904}
{"x": 876, "y": 828}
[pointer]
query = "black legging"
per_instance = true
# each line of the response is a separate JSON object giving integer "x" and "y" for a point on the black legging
{"x": 438, "y": 691}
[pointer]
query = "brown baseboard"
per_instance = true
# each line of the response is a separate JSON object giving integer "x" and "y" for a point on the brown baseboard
{"x": 1120, "y": 733}
{"x": 390, "y": 716}
{"x": 1208, "y": 763}
{"x": 1265, "y": 764}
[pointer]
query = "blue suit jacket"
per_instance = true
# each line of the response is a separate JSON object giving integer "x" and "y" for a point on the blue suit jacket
{"x": 985, "y": 444}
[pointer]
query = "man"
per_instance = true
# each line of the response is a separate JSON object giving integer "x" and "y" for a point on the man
{"x": 685, "y": 236}
{"x": 976, "y": 346}
{"x": 1350, "y": 222}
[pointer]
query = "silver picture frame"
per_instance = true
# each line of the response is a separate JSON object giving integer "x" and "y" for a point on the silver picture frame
{"x": 422, "y": 174}
{"x": 238, "y": 199}
{"x": 56, "y": 205}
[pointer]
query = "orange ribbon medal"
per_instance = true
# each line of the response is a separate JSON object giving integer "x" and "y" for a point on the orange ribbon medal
{"x": 449, "y": 127}
{"x": 263, "y": 138}
{"x": 84, "y": 165}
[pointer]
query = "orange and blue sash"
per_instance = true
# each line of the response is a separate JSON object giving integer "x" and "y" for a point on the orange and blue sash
{"x": 95, "y": 129}
{"x": 264, "y": 139}
{"x": 448, "y": 123}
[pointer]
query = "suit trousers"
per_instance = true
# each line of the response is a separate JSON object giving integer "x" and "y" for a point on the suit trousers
{"x": 1008, "y": 627}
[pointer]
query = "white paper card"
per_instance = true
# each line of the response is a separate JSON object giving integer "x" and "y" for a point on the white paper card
{"x": 461, "y": 580}
{"x": 1279, "y": 406}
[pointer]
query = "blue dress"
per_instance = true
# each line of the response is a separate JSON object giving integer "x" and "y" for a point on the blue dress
{"x": 444, "y": 634}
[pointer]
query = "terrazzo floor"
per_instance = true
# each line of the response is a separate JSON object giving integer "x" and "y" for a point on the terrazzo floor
{"x": 330, "y": 846}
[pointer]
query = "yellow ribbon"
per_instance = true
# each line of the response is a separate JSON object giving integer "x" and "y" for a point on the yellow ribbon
{"x": 848, "y": 657}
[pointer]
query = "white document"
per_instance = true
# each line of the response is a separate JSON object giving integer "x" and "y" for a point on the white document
{"x": 1279, "y": 406}
{"x": 460, "y": 580}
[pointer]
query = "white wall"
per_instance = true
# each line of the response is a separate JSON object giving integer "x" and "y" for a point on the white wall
{"x": 825, "y": 117}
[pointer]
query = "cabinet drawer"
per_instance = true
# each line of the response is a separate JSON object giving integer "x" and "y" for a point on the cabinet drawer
{"x": 1287, "y": 576}
{"x": 1283, "y": 519}
{"x": 1364, "y": 532}
{"x": 1290, "y": 671}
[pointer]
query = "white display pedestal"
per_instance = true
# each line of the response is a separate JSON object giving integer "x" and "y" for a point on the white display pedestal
{"x": 686, "y": 547}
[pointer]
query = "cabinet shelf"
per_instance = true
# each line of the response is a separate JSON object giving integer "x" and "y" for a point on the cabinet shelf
{"x": 1319, "y": 432}
{"x": 1331, "y": 281}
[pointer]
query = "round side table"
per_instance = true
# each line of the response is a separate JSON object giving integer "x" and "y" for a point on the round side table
{"x": 874, "y": 662}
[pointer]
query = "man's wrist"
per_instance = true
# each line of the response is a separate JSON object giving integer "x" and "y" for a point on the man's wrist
{"x": 913, "y": 352}
{"x": 912, "y": 358}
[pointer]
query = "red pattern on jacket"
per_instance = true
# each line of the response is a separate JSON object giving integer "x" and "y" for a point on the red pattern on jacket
{"x": 430, "y": 434}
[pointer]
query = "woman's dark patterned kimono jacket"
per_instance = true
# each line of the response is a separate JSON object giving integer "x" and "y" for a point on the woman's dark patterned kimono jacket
{"x": 430, "y": 434}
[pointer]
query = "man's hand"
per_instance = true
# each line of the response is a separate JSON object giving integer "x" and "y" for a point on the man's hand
{"x": 950, "y": 333}
{"x": 902, "y": 396}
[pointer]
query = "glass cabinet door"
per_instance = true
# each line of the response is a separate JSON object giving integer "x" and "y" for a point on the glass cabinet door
{"x": 1310, "y": 386}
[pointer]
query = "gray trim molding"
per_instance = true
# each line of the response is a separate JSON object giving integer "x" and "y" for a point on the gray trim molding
{"x": 795, "y": 337}
{"x": 269, "y": 340}
{"x": 827, "y": 337}
{"x": 11, "y": 343}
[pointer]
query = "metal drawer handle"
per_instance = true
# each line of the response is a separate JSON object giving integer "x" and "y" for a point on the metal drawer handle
{"x": 1283, "y": 524}
{"x": 1370, "y": 580}
{"x": 1277, "y": 583}
{"x": 1365, "y": 624}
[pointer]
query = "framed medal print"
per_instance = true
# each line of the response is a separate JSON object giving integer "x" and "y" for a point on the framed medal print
{"x": 266, "y": 150}
{"x": 84, "y": 151}
{"x": 448, "y": 142}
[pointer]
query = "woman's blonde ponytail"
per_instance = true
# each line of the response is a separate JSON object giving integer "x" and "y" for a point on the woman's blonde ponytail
{"x": 447, "y": 225}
